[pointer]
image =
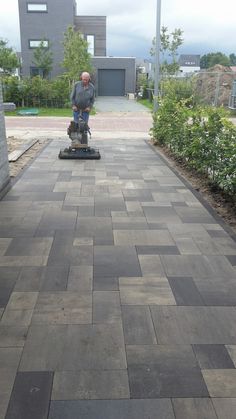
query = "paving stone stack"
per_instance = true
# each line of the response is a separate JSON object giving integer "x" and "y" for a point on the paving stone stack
{"x": 4, "y": 167}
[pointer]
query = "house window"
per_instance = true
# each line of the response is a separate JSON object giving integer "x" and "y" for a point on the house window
{"x": 90, "y": 40}
{"x": 35, "y": 43}
{"x": 37, "y": 7}
{"x": 37, "y": 71}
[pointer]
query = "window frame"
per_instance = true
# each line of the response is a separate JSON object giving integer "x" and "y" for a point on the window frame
{"x": 36, "y": 4}
{"x": 39, "y": 41}
{"x": 93, "y": 44}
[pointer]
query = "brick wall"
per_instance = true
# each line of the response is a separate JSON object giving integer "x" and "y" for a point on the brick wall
{"x": 4, "y": 167}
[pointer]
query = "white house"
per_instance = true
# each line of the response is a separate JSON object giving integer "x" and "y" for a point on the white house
{"x": 189, "y": 64}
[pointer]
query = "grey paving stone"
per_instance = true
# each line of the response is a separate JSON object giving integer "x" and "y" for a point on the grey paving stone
{"x": 8, "y": 278}
{"x": 115, "y": 409}
{"x": 20, "y": 261}
{"x": 67, "y": 186}
{"x": 232, "y": 259}
{"x": 99, "y": 228}
{"x": 232, "y": 352}
{"x": 32, "y": 187}
{"x": 207, "y": 247}
{"x": 80, "y": 278}
{"x": 194, "y": 325}
{"x": 54, "y": 278}
{"x": 194, "y": 215}
{"x": 9, "y": 358}
{"x": 94, "y": 347}
{"x": 106, "y": 307}
{"x": 82, "y": 385}
{"x": 185, "y": 291}
{"x": 12, "y": 336}
{"x": 60, "y": 220}
{"x": 217, "y": 291}
{"x": 213, "y": 357}
{"x": 142, "y": 237}
{"x": 16, "y": 317}
{"x": 22, "y": 300}
{"x": 7, "y": 377}
{"x": 194, "y": 408}
{"x": 226, "y": 245}
{"x": 103, "y": 283}
{"x": 217, "y": 233}
{"x": 221, "y": 266}
{"x": 138, "y": 326}
{"x": 30, "y": 396}
{"x": 84, "y": 211}
{"x": 30, "y": 279}
{"x": 220, "y": 382}
{"x": 103, "y": 207}
{"x": 192, "y": 230}
{"x": 157, "y": 250}
{"x": 145, "y": 291}
{"x": 40, "y": 196}
{"x": 129, "y": 225}
{"x": 187, "y": 265}
{"x": 44, "y": 347}
{"x": 64, "y": 176}
{"x": 187, "y": 246}
{"x": 34, "y": 246}
{"x": 170, "y": 181}
{"x": 63, "y": 307}
{"x": 165, "y": 197}
{"x": 140, "y": 194}
{"x": 4, "y": 243}
{"x": 164, "y": 371}
{"x": 151, "y": 265}
{"x": 225, "y": 407}
{"x": 64, "y": 253}
{"x": 164, "y": 214}
{"x": 116, "y": 260}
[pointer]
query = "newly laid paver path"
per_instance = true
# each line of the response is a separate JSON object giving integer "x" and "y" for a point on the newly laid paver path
{"x": 117, "y": 291}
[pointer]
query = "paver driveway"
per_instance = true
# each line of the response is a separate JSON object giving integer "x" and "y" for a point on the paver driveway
{"x": 117, "y": 291}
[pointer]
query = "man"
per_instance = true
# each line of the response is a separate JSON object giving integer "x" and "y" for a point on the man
{"x": 82, "y": 97}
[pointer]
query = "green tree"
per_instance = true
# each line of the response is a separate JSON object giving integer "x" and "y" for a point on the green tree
{"x": 8, "y": 58}
{"x": 76, "y": 56}
{"x": 232, "y": 58}
{"x": 170, "y": 42}
{"x": 213, "y": 58}
{"x": 43, "y": 59}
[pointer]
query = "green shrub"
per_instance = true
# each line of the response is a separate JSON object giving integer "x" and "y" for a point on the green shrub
{"x": 203, "y": 137}
{"x": 37, "y": 91}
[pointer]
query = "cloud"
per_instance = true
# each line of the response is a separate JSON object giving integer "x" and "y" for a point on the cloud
{"x": 131, "y": 25}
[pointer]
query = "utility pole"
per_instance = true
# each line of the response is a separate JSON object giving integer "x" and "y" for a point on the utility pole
{"x": 157, "y": 55}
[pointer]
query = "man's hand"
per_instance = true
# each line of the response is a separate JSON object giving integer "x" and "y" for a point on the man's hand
{"x": 74, "y": 108}
{"x": 87, "y": 110}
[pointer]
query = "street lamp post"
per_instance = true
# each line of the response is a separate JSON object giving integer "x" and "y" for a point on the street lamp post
{"x": 157, "y": 54}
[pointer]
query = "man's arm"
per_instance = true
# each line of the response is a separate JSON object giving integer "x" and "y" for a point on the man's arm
{"x": 73, "y": 94}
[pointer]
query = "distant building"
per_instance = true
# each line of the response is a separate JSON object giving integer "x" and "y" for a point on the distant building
{"x": 48, "y": 20}
{"x": 189, "y": 64}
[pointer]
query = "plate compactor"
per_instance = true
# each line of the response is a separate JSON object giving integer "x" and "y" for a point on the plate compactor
{"x": 78, "y": 133}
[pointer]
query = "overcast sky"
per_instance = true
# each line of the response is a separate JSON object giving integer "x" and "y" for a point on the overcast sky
{"x": 208, "y": 25}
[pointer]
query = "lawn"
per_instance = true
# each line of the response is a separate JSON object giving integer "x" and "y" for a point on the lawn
{"x": 147, "y": 103}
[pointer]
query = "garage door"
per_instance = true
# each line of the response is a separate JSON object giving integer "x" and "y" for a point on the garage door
{"x": 111, "y": 82}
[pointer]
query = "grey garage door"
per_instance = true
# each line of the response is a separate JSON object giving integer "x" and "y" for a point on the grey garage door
{"x": 111, "y": 82}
